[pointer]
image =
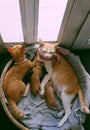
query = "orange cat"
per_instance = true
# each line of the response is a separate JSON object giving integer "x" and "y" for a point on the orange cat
{"x": 35, "y": 78}
{"x": 13, "y": 86}
{"x": 65, "y": 82}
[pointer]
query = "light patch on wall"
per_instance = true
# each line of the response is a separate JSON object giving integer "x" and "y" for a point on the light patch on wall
{"x": 51, "y": 13}
{"x": 10, "y": 21}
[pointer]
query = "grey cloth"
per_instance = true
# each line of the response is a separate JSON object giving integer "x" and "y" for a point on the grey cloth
{"x": 39, "y": 116}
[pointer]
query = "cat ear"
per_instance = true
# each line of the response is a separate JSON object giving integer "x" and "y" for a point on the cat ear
{"x": 10, "y": 49}
{"x": 56, "y": 44}
{"x": 41, "y": 42}
{"x": 23, "y": 48}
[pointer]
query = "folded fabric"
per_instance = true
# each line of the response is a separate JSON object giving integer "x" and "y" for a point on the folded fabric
{"x": 39, "y": 117}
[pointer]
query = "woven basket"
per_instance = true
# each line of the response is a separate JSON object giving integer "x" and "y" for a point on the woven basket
{"x": 2, "y": 99}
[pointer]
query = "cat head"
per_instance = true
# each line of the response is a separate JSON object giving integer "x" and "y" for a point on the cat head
{"x": 17, "y": 51}
{"x": 47, "y": 50}
{"x": 37, "y": 71}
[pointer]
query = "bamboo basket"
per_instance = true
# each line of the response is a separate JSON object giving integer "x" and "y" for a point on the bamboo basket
{"x": 3, "y": 102}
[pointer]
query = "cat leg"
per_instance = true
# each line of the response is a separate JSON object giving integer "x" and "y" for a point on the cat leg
{"x": 26, "y": 90}
{"x": 84, "y": 107}
{"x": 43, "y": 83}
{"x": 61, "y": 113}
{"x": 50, "y": 97}
{"x": 66, "y": 100}
{"x": 15, "y": 110}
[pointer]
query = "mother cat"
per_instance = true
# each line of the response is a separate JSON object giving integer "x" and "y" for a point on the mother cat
{"x": 65, "y": 82}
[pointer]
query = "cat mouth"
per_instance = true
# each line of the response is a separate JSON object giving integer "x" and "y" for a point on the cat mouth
{"x": 43, "y": 57}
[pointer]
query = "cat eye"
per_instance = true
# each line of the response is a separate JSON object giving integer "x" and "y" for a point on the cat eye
{"x": 51, "y": 52}
{"x": 45, "y": 51}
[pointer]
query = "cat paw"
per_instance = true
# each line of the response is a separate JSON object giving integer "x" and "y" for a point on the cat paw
{"x": 42, "y": 92}
{"x": 85, "y": 109}
{"x": 61, "y": 113}
{"x": 60, "y": 124}
{"x": 19, "y": 115}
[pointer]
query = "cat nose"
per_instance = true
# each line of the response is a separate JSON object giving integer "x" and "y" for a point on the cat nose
{"x": 47, "y": 56}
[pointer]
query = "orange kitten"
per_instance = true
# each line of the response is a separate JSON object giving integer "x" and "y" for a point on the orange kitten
{"x": 35, "y": 78}
{"x": 65, "y": 82}
{"x": 13, "y": 86}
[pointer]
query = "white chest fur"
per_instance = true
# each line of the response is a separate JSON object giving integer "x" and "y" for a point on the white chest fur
{"x": 47, "y": 77}
{"x": 48, "y": 66}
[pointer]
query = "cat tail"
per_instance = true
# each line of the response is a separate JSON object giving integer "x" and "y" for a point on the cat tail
{"x": 84, "y": 107}
{"x": 15, "y": 110}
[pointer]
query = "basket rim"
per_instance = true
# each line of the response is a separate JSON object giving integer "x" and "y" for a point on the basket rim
{"x": 2, "y": 99}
